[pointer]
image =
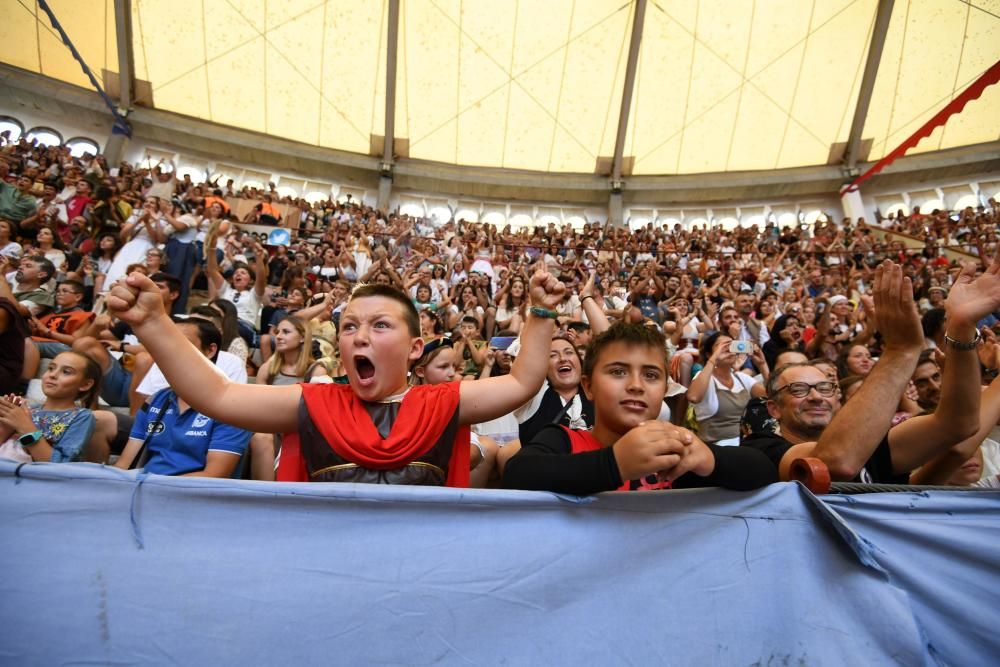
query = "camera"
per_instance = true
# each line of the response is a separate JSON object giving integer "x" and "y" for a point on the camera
{"x": 741, "y": 347}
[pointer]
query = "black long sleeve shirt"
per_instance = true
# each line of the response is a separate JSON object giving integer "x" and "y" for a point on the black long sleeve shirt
{"x": 547, "y": 463}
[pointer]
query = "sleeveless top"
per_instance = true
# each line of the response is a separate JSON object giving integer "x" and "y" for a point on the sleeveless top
{"x": 725, "y": 423}
{"x": 325, "y": 465}
{"x": 282, "y": 379}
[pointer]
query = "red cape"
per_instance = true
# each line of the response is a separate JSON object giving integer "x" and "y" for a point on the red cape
{"x": 340, "y": 417}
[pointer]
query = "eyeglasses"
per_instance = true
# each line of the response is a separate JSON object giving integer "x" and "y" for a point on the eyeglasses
{"x": 802, "y": 389}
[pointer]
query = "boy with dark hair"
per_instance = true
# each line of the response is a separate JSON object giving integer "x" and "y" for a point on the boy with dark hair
{"x": 54, "y": 333}
{"x": 625, "y": 375}
{"x": 469, "y": 348}
{"x": 68, "y": 315}
{"x": 375, "y": 429}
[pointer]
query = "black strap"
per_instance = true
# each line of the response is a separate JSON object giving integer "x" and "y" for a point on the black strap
{"x": 565, "y": 409}
{"x": 150, "y": 432}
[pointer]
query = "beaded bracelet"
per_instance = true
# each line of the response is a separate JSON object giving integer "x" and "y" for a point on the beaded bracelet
{"x": 544, "y": 312}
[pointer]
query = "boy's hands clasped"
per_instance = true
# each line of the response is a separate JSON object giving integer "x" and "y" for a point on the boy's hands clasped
{"x": 662, "y": 448}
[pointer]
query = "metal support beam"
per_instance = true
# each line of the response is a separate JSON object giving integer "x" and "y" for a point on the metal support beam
{"x": 391, "y": 54}
{"x": 126, "y": 61}
{"x": 114, "y": 147}
{"x": 633, "y": 59}
{"x": 879, "y": 32}
{"x": 392, "y": 50}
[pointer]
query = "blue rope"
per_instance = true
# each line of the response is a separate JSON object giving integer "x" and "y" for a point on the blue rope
{"x": 121, "y": 125}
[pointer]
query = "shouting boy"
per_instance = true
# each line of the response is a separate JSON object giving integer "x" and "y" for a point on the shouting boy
{"x": 625, "y": 375}
{"x": 374, "y": 429}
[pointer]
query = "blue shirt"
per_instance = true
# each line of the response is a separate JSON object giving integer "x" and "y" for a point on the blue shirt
{"x": 181, "y": 441}
{"x": 67, "y": 431}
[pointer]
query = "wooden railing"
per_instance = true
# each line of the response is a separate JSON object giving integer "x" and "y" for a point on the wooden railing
{"x": 950, "y": 253}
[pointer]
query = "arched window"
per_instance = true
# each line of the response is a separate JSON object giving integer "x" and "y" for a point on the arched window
{"x": 754, "y": 221}
{"x": 412, "y": 209}
{"x": 46, "y": 136}
{"x": 78, "y": 146}
{"x": 547, "y": 219}
{"x": 285, "y": 191}
{"x": 638, "y": 222}
{"x": 576, "y": 222}
{"x": 728, "y": 222}
{"x": 788, "y": 219}
{"x": 931, "y": 205}
{"x": 150, "y": 162}
{"x": 897, "y": 210}
{"x": 814, "y": 216}
{"x": 197, "y": 174}
{"x": 521, "y": 220}
{"x": 317, "y": 196}
{"x": 669, "y": 222}
{"x": 440, "y": 214}
{"x": 12, "y": 125}
{"x": 966, "y": 201}
{"x": 253, "y": 184}
{"x": 495, "y": 218}
{"x": 467, "y": 214}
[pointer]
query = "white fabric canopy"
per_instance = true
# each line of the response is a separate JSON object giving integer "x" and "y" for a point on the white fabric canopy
{"x": 720, "y": 85}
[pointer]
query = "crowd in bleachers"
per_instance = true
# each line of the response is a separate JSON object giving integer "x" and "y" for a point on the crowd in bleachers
{"x": 676, "y": 357}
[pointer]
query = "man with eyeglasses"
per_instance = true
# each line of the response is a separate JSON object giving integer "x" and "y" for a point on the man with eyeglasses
{"x": 856, "y": 442}
{"x": 55, "y": 333}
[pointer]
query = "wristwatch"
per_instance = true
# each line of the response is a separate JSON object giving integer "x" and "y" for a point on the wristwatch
{"x": 28, "y": 439}
{"x": 960, "y": 345}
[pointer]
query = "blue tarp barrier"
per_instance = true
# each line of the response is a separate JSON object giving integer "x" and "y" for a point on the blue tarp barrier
{"x": 101, "y": 566}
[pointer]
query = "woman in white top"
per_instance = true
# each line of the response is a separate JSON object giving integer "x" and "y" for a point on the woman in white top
{"x": 362, "y": 255}
{"x": 720, "y": 393}
{"x": 144, "y": 229}
{"x": 48, "y": 245}
{"x": 213, "y": 224}
{"x": 330, "y": 267}
{"x": 8, "y": 246}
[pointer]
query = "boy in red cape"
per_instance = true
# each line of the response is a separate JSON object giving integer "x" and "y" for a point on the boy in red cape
{"x": 375, "y": 429}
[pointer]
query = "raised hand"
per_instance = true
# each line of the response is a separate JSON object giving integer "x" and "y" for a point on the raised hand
{"x": 136, "y": 300}
{"x": 545, "y": 290}
{"x": 896, "y": 313}
{"x": 989, "y": 351}
{"x": 971, "y": 299}
{"x": 588, "y": 287}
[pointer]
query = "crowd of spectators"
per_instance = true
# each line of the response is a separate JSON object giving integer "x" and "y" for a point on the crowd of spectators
{"x": 773, "y": 338}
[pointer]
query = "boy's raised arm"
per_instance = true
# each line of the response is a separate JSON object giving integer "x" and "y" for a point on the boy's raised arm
{"x": 267, "y": 409}
{"x": 483, "y": 400}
